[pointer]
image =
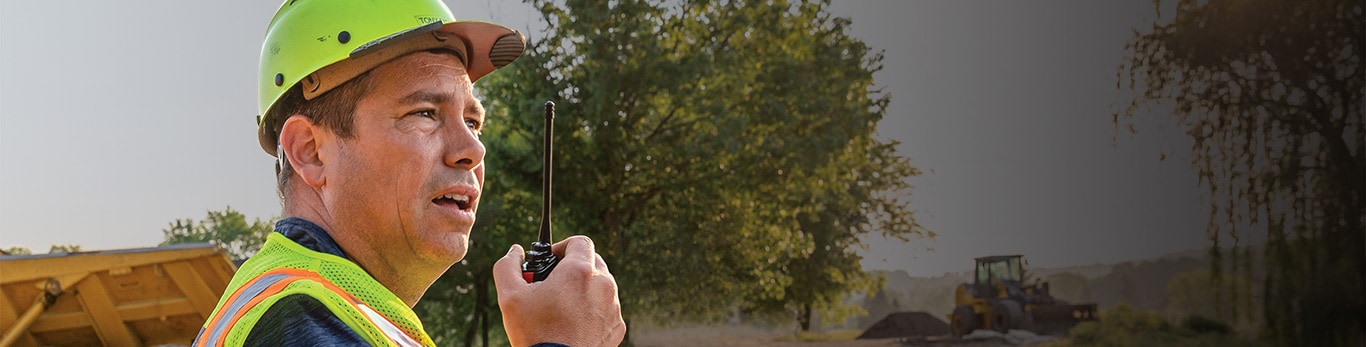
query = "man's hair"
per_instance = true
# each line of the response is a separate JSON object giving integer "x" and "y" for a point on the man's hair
{"x": 334, "y": 110}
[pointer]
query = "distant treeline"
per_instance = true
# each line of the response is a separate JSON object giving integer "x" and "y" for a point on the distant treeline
{"x": 1175, "y": 285}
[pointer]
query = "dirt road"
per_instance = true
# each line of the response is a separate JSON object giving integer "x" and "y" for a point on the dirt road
{"x": 756, "y": 341}
{"x": 776, "y": 342}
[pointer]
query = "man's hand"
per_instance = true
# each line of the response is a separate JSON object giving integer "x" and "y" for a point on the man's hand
{"x": 576, "y": 305}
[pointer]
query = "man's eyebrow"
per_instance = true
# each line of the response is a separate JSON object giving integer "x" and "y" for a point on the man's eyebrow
{"x": 422, "y": 96}
{"x": 475, "y": 108}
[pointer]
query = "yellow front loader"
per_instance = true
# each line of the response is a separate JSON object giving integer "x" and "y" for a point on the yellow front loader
{"x": 998, "y": 299}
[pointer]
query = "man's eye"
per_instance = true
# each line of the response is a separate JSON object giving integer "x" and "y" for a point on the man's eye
{"x": 424, "y": 113}
{"x": 473, "y": 124}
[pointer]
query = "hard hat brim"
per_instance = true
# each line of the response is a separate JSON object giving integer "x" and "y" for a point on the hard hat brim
{"x": 491, "y": 46}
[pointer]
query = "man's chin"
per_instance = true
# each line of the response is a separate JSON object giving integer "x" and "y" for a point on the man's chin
{"x": 449, "y": 250}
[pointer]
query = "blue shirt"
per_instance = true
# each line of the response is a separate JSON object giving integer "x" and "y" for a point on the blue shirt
{"x": 301, "y": 320}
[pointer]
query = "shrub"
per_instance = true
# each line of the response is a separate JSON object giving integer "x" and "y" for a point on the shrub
{"x": 1203, "y": 325}
{"x": 1125, "y": 326}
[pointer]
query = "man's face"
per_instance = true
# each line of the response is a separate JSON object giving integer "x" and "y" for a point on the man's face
{"x": 408, "y": 181}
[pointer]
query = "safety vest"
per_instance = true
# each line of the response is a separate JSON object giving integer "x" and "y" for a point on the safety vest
{"x": 283, "y": 268}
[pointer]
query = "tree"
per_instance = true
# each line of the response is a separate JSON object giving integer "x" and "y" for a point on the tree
{"x": 850, "y": 199}
{"x": 1189, "y": 293}
{"x": 228, "y": 228}
{"x": 1271, "y": 93}
{"x": 18, "y": 250}
{"x": 68, "y": 248}
{"x": 721, "y": 154}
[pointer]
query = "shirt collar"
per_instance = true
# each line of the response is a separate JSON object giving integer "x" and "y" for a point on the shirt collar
{"x": 309, "y": 235}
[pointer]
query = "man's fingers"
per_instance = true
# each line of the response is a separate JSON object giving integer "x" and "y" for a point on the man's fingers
{"x": 507, "y": 272}
{"x": 577, "y": 248}
{"x": 599, "y": 264}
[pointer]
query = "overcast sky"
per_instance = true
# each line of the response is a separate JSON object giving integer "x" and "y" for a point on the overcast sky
{"x": 118, "y": 117}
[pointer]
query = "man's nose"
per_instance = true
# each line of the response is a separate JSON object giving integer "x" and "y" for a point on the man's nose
{"x": 463, "y": 149}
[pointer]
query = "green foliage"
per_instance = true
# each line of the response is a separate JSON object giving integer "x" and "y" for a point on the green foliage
{"x": 1125, "y": 326}
{"x": 1140, "y": 284}
{"x": 1270, "y": 91}
{"x": 18, "y": 250}
{"x": 228, "y": 228}
{"x": 825, "y": 336}
{"x": 1196, "y": 293}
{"x": 1203, "y": 325}
{"x": 721, "y": 154}
{"x": 1134, "y": 320}
{"x": 69, "y": 248}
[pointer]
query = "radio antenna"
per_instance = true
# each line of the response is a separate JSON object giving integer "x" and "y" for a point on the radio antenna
{"x": 540, "y": 260}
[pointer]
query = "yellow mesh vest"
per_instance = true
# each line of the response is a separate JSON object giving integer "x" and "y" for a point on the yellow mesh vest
{"x": 280, "y": 254}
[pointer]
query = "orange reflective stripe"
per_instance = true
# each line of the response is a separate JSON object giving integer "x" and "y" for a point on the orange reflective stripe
{"x": 384, "y": 324}
{"x": 215, "y": 332}
{"x": 271, "y": 290}
{"x": 231, "y": 299}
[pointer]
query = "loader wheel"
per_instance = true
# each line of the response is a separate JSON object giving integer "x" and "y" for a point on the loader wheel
{"x": 1006, "y": 315}
{"x": 964, "y": 321}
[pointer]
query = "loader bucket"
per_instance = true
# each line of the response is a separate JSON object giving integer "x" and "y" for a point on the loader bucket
{"x": 1059, "y": 319}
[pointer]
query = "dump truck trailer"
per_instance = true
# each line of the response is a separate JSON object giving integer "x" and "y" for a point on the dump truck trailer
{"x": 130, "y": 297}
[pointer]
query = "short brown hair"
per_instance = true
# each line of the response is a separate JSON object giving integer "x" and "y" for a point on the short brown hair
{"x": 334, "y": 110}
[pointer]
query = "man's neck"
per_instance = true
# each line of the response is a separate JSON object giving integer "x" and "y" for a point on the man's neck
{"x": 407, "y": 281}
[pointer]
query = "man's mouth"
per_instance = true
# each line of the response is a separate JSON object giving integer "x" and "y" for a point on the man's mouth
{"x": 460, "y": 201}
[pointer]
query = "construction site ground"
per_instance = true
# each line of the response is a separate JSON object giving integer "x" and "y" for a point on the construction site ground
{"x": 776, "y": 342}
{"x": 736, "y": 337}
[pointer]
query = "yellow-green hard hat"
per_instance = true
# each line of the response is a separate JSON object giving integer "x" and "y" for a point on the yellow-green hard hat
{"x": 321, "y": 44}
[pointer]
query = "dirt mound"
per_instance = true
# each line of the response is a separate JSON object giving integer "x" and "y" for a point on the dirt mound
{"x": 906, "y": 324}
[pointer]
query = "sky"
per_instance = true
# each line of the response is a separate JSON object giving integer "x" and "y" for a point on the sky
{"x": 117, "y": 118}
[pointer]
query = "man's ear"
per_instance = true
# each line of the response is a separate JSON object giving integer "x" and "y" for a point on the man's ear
{"x": 300, "y": 140}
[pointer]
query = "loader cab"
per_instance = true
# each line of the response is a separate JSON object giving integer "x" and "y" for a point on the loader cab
{"x": 995, "y": 270}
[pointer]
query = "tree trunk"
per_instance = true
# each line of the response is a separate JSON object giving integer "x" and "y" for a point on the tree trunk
{"x": 626, "y": 341}
{"x": 472, "y": 328}
{"x": 484, "y": 322}
{"x": 804, "y": 317}
{"x": 616, "y": 249}
{"x": 479, "y": 321}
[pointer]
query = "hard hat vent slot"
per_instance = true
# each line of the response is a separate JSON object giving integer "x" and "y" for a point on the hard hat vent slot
{"x": 505, "y": 50}
{"x": 311, "y": 83}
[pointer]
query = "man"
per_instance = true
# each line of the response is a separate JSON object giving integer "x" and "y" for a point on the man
{"x": 368, "y": 107}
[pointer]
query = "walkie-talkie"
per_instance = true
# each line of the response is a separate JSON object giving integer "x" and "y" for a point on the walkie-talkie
{"x": 539, "y": 258}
